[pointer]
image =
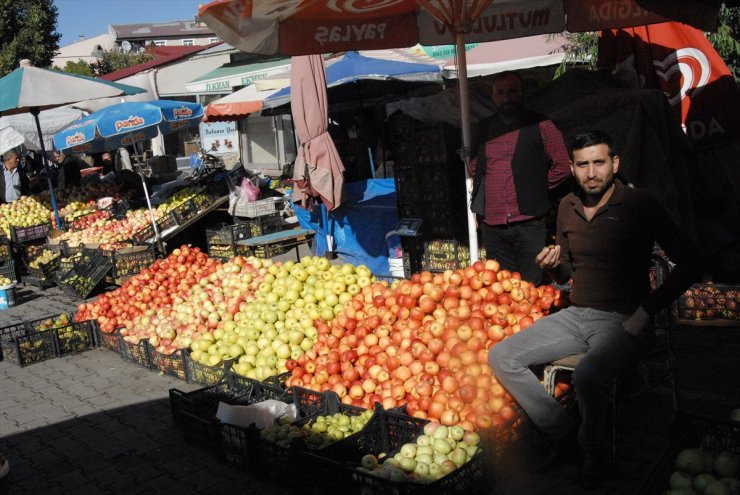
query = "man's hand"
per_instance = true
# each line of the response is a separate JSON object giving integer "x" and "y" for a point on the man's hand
{"x": 549, "y": 257}
{"x": 636, "y": 324}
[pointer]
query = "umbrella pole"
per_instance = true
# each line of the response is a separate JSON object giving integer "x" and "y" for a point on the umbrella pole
{"x": 465, "y": 154}
{"x": 157, "y": 238}
{"x": 35, "y": 112}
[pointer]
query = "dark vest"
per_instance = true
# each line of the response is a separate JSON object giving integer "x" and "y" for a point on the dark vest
{"x": 529, "y": 165}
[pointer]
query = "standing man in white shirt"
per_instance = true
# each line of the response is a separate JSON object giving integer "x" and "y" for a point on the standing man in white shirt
{"x": 13, "y": 182}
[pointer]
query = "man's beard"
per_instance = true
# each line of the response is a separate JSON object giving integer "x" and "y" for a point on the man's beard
{"x": 597, "y": 192}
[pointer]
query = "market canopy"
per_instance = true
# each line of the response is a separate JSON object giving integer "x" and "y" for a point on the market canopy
{"x": 515, "y": 54}
{"x": 353, "y": 67}
{"x": 52, "y": 121}
{"x": 237, "y": 105}
{"x": 235, "y": 75}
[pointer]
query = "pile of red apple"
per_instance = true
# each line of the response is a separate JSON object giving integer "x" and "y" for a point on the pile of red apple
{"x": 165, "y": 282}
{"x": 424, "y": 343}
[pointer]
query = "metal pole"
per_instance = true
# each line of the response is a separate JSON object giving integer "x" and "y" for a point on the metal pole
{"x": 462, "y": 78}
{"x": 35, "y": 112}
{"x": 157, "y": 238}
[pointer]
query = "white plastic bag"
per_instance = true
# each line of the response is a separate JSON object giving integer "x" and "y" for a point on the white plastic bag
{"x": 262, "y": 414}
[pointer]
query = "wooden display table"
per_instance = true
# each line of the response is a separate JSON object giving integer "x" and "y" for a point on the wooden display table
{"x": 285, "y": 239}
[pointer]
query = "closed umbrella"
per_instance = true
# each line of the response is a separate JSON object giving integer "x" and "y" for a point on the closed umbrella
{"x": 29, "y": 89}
{"x": 298, "y": 27}
{"x": 318, "y": 170}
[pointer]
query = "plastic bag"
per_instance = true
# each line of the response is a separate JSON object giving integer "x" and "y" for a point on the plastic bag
{"x": 262, "y": 414}
{"x": 249, "y": 191}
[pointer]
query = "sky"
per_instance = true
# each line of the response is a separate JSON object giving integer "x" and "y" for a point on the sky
{"x": 91, "y": 17}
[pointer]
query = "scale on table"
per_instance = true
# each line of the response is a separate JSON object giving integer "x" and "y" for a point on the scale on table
{"x": 409, "y": 227}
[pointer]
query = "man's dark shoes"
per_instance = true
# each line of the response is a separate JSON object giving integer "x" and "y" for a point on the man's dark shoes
{"x": 592, "y": 470}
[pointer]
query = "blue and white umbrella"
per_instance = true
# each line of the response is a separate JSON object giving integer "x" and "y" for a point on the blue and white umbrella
{"x": 124, "y": 124}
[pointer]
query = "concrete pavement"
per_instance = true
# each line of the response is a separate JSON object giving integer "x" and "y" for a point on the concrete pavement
{"x": 93, "y": 423}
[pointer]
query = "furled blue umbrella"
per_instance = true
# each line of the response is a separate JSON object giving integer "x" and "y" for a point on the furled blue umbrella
{"x": 29, "y": 89}
{"x": 124, "y": 124}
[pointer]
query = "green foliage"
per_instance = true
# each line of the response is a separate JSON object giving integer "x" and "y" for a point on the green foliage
{"x": 27, "y": 30}
{"x": 113, "y": 60}
{"x": 581, "y": 49}
{"x": 80, "y": 67}
{"x": 727, "y": 38}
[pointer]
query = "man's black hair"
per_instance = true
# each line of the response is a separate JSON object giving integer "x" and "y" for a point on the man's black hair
{"x": 591, "y": 138}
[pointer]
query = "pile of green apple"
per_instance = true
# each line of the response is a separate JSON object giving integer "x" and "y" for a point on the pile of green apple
{"x": 318, "y": 433}
{"x": 436, "y": 453}
{"x": 271, "y": 332}
{"x": 23, "y": 212}
{"x": 705, "y": 472}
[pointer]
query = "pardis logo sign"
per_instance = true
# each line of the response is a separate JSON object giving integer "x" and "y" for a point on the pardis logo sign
{"x": 693, "y": 68}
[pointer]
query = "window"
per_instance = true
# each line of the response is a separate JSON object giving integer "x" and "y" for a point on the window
{"x": 159, "y": 42}
{"x": 213, "y": 40}
{"x": 189, "y": 42}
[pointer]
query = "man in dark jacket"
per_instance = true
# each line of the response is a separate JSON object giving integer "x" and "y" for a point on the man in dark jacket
{"x": 69, "y": 170}
{"x": 606, "y": 234}
{"x": 14, "y": 182}
{"x": 520, "y": 157}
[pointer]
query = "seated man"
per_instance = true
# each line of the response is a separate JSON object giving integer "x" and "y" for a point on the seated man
{"x": 605, "y": 236}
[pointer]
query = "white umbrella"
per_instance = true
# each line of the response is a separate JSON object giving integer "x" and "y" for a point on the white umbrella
{"x": 52, "y": 121}
{"x": 29, "y": 89}
{"x": 9, "y": 139}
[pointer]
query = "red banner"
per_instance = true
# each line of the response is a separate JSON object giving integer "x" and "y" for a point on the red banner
{"x": 679, "y": 60}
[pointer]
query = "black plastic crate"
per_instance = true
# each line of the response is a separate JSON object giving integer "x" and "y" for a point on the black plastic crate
{"x": 110, "y": 341}
{"x": 690, "y": 430}
{"x": 144, "y": 235}
{"x": 10, "y": 332}
{"x": 136, "y": 353}
{"x": 30, "y": 348}
{"x": 203, "y": 374}
{"x": 6, "y": 254}
{"x": 169, "y": 364}
{"x": 184, "y": 211}
{"x": 74, "y": 338}
{"x": 708, "y": 302}
{"x": 7, "y": 269}
{"x": 165, "y": 222}
{"x": 247, "y": 228}
{"x": 117, "y": 209}
{"x": 83, "y": 278}
{"x": 130, "y": 260}
{"x": 222, "y": 252}
{"x": 220, "y": 235}
{"x": 196, "y": 411}
{"x": 25, "y": 234}
{"x": 47, "y": 322}
{"x": 44, "y": 270}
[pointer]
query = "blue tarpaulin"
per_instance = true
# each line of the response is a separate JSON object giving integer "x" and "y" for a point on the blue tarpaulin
{"x": 359, "y": 226}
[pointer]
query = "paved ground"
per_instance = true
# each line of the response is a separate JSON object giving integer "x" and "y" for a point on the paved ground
{"x": 93, "y": 423}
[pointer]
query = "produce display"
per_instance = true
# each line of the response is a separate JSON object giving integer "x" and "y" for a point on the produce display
{"x": 705, "y": 472}
{"x": 709, "y": 301}
{"x": 110, "y": 234}
{"x": 52, "y": 322}
{"x": 424, "y": 343}
{"x": 160, "y": 285}
{"x": 319, "y": 432}
{"x": 5, "y": 280}
{"x": 23, "y": 212}
{"x": 70, "y": 338}
{"x": 203, "y": 313}
{"x": 293, "y": 300}
{"x": 44, "y": 259}
{"x": 439, "y": 451}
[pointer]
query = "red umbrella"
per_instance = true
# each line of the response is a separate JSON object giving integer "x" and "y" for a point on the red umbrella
{"x": 318, "y": 170}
